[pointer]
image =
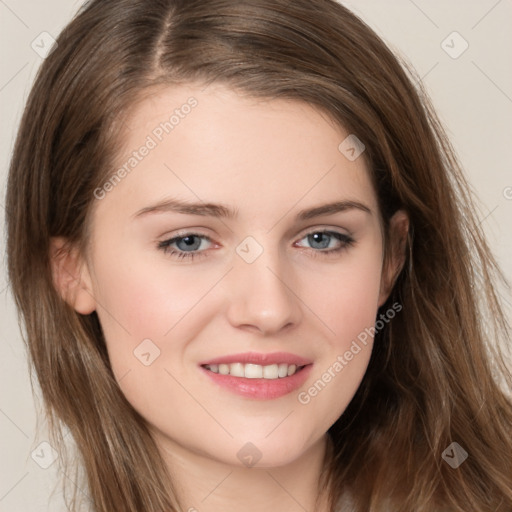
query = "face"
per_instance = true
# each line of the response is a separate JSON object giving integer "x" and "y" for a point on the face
{"x": 258, "y": 279}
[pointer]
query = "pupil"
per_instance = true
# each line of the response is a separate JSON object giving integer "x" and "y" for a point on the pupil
{"x": 318, "y": 239}
{"x": 189, "y": 242}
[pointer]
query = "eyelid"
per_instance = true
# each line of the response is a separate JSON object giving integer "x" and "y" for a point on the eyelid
{"x": 324, "y": 227}
{"x": 306, "y": 231}
{"x": 183, "y": 234}
{"x": 345, "y": 239}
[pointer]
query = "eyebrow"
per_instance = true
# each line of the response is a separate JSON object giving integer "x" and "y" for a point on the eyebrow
{"x": 222, "y": 211}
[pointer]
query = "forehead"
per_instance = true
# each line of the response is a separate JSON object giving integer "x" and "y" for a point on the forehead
{"x": 214, "y": 144}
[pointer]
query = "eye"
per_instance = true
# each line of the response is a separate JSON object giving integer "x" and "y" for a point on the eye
{"x": 324, "y": 239}
{"x": 187, "y": 245}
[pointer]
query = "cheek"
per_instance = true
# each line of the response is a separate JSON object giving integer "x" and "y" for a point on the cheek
{"x": 347, "y": 305}
{"x": 346, "y": 300}
{"x": 138, "y": 300}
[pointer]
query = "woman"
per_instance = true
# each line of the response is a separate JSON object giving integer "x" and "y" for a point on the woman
{"x": 176, "y": 166}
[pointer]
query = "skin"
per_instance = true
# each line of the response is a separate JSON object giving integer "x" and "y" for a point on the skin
{"x": 269, "y": 160}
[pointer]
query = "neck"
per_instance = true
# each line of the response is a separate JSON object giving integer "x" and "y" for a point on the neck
{"x": 203, "y": 484}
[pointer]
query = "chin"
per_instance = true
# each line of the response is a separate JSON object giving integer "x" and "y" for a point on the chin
{"x": 265, "y": 452}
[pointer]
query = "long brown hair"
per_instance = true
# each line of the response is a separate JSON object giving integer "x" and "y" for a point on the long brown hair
{"x": 433, "y": 377}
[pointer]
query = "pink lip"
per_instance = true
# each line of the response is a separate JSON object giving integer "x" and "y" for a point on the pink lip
{"x": 258, "y": 358}
{"x": 260, "y": 389}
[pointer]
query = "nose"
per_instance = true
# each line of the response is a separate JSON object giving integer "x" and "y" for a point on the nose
{"x": 263, "y": 297}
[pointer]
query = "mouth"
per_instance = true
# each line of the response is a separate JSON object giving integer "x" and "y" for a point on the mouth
{"x": 255, "y": 371}
{"x": 258, "y": 376}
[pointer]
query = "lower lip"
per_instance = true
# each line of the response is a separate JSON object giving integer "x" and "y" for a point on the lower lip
{"x": 261, "y": 389}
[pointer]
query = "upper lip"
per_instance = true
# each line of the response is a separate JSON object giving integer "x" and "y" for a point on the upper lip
{"x": 259, "y": 358}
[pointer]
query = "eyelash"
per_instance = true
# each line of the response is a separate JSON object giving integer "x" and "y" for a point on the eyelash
{"x": 346, "y": 241}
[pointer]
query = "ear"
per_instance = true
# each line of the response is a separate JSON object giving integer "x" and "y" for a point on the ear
{"x": 71, "y": 276}
{"x": 398, "y": 230}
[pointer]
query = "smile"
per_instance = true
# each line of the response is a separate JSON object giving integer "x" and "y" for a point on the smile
{"x": 255, "y": 371}
{"x": 257, "y": 381}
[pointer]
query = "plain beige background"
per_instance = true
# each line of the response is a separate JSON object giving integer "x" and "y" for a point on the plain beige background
{"x": 472, "y": 91}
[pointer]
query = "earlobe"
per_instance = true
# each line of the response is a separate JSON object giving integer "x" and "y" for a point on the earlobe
{"x": 71, "y": 276}
{"x": 398, "y": 230}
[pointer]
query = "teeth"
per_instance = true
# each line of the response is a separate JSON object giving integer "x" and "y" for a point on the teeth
{"x": 255, "y": 371}
{"x": 283, "y": 370}
{"x": 237, "y": 370}
{"x": 271, "y": 371}
{"x": 252, "y": 371}
{"x": 291, "y": 369}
